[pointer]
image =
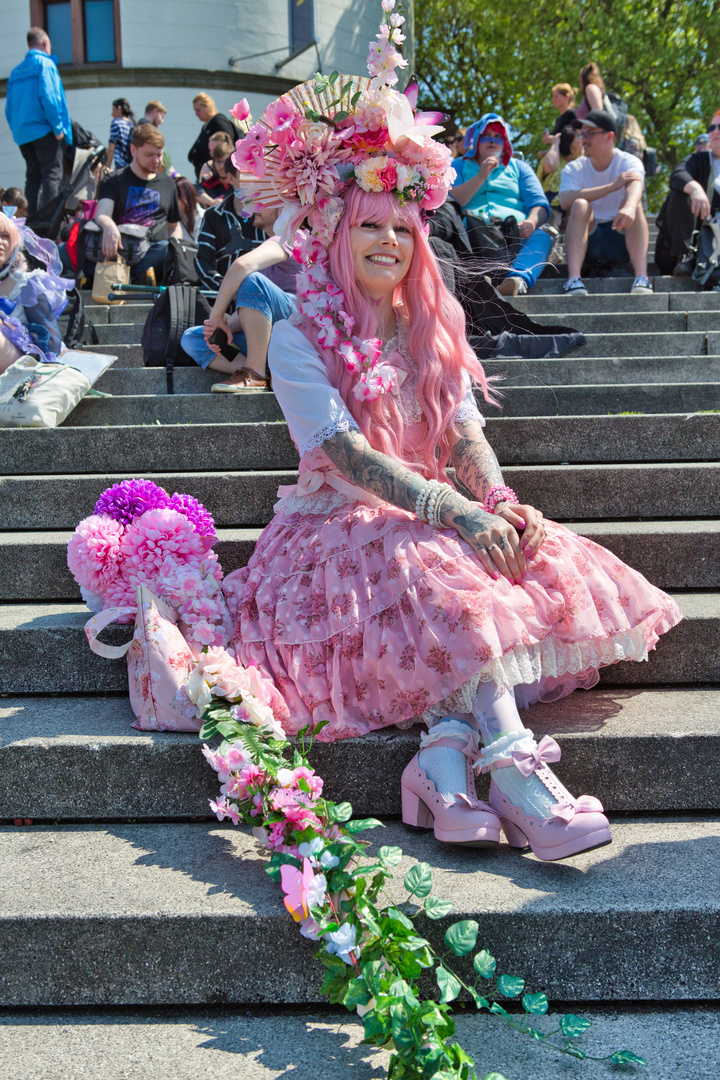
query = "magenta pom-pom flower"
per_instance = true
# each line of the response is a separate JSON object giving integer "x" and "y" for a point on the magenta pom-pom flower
{"x": 130, "y": 498}
{"x": 196, "y": 513}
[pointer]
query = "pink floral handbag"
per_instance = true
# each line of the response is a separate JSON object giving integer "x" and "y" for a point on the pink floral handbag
{"x": 159, "y": 662}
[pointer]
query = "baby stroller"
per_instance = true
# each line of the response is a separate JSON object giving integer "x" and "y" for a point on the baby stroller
{"x": 87, "y": 153}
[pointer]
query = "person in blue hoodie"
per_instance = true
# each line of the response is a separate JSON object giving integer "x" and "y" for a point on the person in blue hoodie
{"x": 494, "y": 185}
{"x": 39, "y": 119}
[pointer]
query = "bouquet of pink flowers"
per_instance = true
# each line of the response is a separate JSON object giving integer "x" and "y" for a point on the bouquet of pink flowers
{"x": 140, "y": 535}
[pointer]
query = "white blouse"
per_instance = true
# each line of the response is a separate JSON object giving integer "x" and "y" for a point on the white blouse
{"x": 313, "y": 407}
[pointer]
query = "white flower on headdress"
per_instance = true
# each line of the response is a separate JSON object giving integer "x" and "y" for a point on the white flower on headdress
{"x": 368, "y": 173}
{"x": 402, "y": 126}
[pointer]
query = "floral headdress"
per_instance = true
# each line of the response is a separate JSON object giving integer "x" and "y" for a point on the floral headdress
{"x": 317, "y": 138}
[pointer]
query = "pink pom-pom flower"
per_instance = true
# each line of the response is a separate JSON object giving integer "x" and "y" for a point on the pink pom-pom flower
{"x": 94, "y": 553}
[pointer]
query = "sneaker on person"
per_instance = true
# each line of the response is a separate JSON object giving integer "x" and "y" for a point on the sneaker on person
{"x": 513, "y": 286}
{"x": 641, "y": 286}
{"x": 574, "y": 287}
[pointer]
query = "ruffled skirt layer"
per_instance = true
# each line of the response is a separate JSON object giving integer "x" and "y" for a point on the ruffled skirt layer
{"x": 367, "y": 617}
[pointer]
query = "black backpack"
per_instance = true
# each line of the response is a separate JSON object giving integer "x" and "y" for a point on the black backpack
{"x": 618, "y": 109}
{"x": 176, "y": 309}
{"x": 74, "y": 319}
{"x": 179, "y": 262}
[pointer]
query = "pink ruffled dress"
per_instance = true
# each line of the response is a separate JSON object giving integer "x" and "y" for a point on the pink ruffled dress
{"x": 365, "y": 616}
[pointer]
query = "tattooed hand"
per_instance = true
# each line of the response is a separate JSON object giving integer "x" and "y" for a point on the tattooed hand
{"x": 534, "y": 531}
{"x": 494, "y": 540}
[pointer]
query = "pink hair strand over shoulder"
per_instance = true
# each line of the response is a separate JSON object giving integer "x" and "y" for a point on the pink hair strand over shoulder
{"x": 436, "y": 335}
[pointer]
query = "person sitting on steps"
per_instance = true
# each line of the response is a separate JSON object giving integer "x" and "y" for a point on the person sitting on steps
{"x": 601, "y": 193}
{"x": 261, "y": 282}
{"x": 494, "y": 185}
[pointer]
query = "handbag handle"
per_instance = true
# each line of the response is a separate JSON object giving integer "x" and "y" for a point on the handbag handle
{"x": 97, "y": 624}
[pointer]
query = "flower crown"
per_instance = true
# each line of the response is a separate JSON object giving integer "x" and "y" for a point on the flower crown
{"x": 315, "y": 139}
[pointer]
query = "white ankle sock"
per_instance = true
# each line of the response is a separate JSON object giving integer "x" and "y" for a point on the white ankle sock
{"x": 497, "y": 715}
{"x": 443, "y": 765}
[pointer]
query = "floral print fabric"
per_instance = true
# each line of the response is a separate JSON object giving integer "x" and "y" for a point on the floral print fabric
{"x": 366, "y": 617}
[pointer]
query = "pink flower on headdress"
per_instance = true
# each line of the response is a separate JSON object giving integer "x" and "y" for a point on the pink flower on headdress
{"x": 241, "y": 111}
{"x": 249, "y": 152}
{"x": 388, "y": 176}
{"x": 283, "y": 119}
{"x": 311, "y": 169}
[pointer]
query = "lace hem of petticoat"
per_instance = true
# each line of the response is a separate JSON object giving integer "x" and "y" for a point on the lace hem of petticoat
{"x": 546, "y": 659}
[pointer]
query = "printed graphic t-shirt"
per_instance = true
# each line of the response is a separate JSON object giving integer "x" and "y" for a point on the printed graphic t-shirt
{"x": 142, "y": 202}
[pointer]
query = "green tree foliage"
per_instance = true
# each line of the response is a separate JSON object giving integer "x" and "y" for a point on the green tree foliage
{"x": 662, "y": 57}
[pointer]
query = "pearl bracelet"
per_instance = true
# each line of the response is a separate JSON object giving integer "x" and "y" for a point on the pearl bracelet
{"x": 442, "y": 496}
{"x": 430, "y": 500}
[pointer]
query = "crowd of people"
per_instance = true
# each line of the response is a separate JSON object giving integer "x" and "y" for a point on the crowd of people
{"x": 583, "y": 204}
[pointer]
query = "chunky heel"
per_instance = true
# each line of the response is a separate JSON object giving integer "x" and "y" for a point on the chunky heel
{"x": 414, "y": 810}
{"x": 516, "y": 838}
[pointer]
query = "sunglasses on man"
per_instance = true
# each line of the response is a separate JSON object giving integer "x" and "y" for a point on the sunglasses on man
{"x": 713, "y": 127}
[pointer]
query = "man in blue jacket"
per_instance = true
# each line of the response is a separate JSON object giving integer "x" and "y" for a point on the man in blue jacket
{"x": 39, "y": 119}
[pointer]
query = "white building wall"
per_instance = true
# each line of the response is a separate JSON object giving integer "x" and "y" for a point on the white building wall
{"x": 202, "y": 35}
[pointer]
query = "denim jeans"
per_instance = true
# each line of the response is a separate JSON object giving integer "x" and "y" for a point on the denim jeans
{"x": 532, "y": 257}
{"x": 257, "y": 292}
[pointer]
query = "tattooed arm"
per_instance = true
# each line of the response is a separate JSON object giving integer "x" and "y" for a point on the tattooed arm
{"x": 474, "y": 458}
{"x": 494, "y": 539}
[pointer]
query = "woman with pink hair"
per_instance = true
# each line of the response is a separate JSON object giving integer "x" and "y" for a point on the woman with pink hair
{"x": 379, "y": 594}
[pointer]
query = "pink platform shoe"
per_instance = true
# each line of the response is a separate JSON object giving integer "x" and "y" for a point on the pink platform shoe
{"x": 572, "y": 826}
{"x": 456, "y": 819}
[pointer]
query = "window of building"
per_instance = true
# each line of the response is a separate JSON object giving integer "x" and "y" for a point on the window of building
{"x": 302, "y": 24}
{"x": 81, "y": 31}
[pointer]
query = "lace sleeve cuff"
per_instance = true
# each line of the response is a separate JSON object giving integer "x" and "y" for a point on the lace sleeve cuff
{"x": 468, "y": 410}
{"x": 327, "y": 432}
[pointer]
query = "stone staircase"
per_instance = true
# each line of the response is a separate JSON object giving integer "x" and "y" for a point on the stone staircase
{"x": 139, "y": 938}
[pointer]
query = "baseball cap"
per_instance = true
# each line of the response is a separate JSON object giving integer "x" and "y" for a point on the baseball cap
{"x": 597, "y": 118}
{"x": 702, "y": 140}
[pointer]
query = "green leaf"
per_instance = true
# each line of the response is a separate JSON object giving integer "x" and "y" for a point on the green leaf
{"x": 396, "y": 916}
{"x": 279, "y": 860}
{"x": 375, "y": 975}
{"x": 461, "y": 936}
{"x": 625, "y": 1057}
{"x": 333, "y": 77}
{"x": 435, "y": 908}
{"x": 342, "y": 114}
{"x": 572, "y": 1026}
{"x": 485, "y": 964}
{"x": 339, "y": 811}
{"x": 509, "y": 986}
{"x": 480, "y": 1001}
{"x": 361, "y": 824}
{"x": 537, "y": 1004}
{"x": 303, "y": 784}
{"x": 449, "y": 986}
{"x": 377, "y": 1028}
{"x": 575, "y": 1052}
{"x": 418, "y": 880}
{"x": 389, "y": 856}
{"x": 498, "y": 1009}
{"x": 357, "y": 993}
{"x": 335, "y": 986}
{"x": 355, "y": 98}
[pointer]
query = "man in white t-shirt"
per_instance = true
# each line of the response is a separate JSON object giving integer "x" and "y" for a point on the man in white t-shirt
{"x": 602, "y": 193}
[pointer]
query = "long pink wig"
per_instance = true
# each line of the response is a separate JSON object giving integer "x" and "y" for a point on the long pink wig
{"x": 436, "y": 337}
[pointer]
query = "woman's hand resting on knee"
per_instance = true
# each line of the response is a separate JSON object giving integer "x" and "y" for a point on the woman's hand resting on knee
{"x": 496, "y": 539}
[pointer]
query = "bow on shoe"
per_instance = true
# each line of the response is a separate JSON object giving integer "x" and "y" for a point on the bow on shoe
{"x": 586, "y": 804}
{"x": 527, "y": 761}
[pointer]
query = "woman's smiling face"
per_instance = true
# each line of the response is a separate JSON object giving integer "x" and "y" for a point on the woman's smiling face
{"x": 381, "y": 254}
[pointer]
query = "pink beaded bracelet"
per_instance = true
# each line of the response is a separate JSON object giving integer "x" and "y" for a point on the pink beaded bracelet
{"x": 497, "y": 494}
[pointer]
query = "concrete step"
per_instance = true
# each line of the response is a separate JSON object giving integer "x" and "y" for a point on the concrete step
{"x": 68, "y": 757}
{"x": 184, "y": 914}
{"x": 518, "y": 401}
{"x": 672, "y": 554}
{"x": 562, "y": 305}
{"x": 573, "y": 371}
{"x": 45, "y": 650}
{"x": 645, "y": 344}
{"x": 569, "y": 370}
{"x": 618, "y": 322}
{"x": 548, "y": 286}
{"x": 101, "y": 314}
{"x": 184, "y": 1044}
{"x": 121, "y": 333}
{"x": 240, "y": 499}
{"x": 521, "y": 440}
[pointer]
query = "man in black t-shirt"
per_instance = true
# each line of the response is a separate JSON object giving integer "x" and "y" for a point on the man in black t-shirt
{"x": 140, "y": 195}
